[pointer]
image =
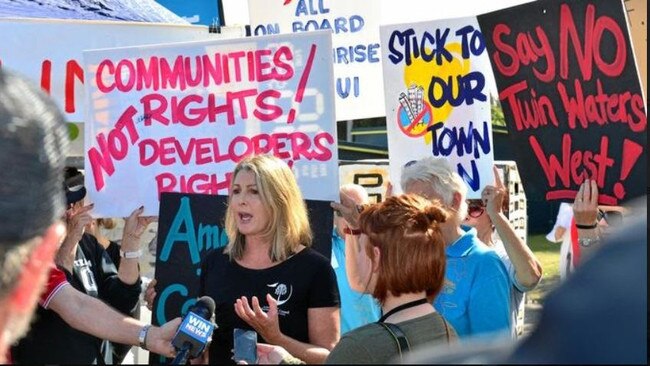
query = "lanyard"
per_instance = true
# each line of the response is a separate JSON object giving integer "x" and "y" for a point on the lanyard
{"x": 403, "y": 307}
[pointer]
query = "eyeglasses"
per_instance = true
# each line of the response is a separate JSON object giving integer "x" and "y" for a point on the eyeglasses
{"x": 475, "y": 210}
{"x": 410, "y": 163}
{"x": 612, "y": 218}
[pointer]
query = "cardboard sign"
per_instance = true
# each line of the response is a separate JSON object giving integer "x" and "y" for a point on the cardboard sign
{"x": 189, "y": 227}
{"x": 436, "y": 77}
{"x": 372, "y": 175}
{"x": 355, "y": 36}
{"x": 571, "y": 96}
{"x": 49, "y": 51}
{"x": 179, "y": 117}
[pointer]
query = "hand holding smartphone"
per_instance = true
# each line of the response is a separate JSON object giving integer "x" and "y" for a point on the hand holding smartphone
{"x": 245, "y": 345}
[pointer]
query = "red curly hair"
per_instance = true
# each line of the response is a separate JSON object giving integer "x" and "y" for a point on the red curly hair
{"x": 406, "y": 229}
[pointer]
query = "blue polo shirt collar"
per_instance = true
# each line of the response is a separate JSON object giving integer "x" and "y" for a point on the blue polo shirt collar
{"x": 463, "y": 245}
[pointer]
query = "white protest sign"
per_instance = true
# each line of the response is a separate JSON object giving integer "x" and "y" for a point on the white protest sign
{"x": 49, "y": 51}
{"x": 178, "y": 117}
{"x": 436, "y": 77}
{"x": 355, "y": 36}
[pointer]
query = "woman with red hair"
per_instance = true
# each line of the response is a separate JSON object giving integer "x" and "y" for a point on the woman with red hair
{"x": 396, "y": 253}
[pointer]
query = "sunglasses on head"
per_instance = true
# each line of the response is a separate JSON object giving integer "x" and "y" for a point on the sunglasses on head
{"x": 475, "y": 208}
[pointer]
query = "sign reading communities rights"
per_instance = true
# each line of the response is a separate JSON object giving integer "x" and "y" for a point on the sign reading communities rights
{"x": 179, "y": 117}
{"x": 355, "y": 36}
{"x": 437, "y": 76}
{"x": 571, "y": 95}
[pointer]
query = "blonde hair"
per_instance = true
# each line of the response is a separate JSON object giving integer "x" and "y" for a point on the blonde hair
{"x": 288, "y": 226}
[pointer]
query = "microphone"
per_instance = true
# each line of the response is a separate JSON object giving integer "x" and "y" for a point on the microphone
{"x": 195, "y": 332}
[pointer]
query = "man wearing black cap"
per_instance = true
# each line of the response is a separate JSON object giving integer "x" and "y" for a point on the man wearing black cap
{"x": 33, "y": 144}
{"x": 89, "y": 269}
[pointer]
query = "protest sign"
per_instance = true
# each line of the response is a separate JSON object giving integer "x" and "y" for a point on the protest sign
{"x": 571, "y": 96}
{"x": 178, "y": 117}
{"x": 49, "y": 51}
{"x": 355, "y": 36}
{"x": 372, "y": 175}
{"x": 189, "y": 227}
{"x": 436, "y": 85}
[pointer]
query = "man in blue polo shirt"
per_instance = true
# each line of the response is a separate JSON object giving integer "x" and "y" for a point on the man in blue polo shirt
{"x": 476, "y": 296}
{"x": 357, "y": 309}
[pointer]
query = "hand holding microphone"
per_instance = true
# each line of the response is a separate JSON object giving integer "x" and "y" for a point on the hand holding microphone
{"x": 195, "y": 331}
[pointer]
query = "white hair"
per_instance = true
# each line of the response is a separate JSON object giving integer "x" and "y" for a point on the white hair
{"x": 355, "y": 192}
{"x": 444, "y": 180}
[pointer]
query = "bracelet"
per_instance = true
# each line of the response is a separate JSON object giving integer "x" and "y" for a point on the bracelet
{"x": 587, "y": 242}
{"x": 355, "y": 232}
{"x": 142, "y": 337}
{"x": 131, "y": 255}
{"x": 587, "y": 227}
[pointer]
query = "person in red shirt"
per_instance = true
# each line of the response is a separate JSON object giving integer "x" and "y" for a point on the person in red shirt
{"x": 33, "y": 146}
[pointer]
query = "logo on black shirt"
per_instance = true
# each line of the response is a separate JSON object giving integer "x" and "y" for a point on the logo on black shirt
{"x": 282, "y": 294}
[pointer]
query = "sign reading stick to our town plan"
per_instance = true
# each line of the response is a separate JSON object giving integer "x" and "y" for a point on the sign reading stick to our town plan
{"x": 178, "y": 117}
{"x": 436, "y": 77}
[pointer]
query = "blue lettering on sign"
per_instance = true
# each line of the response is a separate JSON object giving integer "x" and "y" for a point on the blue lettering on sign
{"x": 164, "y": 296}
{"x": 353, "y": 24}
{"x": 404, "y": 46}
{"x": 463, "y": 141}
{"x": 344, "y": 91}
{"x": 468, "y": 88}
{"x": 358, "y": 53}
{"x": 475, "y": 45}
{"x": 262, "y": 29}
{"x": 309, "y": 8}
{"x": 470, "y": 141}
{"x": 207, "y": 236}
{"x": 473, "y": 181}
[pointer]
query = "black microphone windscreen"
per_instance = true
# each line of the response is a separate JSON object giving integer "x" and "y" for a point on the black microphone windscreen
{"x": 204, "y": 307}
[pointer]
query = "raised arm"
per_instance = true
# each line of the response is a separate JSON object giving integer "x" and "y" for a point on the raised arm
{"x": 528, "y": 269}
{"x": 134, "y": 226}
{"x": 585, "y": 213}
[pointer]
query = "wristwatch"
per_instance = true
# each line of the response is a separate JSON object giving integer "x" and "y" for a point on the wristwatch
{"x": 142, "y": 337}
{"x": 587, "y": 242}
{"x": 131, "y": 255}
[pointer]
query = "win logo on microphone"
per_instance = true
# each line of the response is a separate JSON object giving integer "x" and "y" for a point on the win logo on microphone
{"x": 197, "y": 327}
{"x": 195, "y": 331}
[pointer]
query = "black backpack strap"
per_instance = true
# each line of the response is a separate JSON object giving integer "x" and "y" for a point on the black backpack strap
{"x": 399, "y": 337}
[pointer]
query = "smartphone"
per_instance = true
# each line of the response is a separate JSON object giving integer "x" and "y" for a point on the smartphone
{"x": 245, "y": 345}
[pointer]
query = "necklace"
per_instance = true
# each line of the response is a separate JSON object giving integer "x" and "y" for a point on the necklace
{"x": 403, "y": 307}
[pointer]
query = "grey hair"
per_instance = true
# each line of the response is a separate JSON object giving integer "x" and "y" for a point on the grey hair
{"x": 444, "y": 180}
{"x": 360, "y": 191}
{"x": 33, "y": 146}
